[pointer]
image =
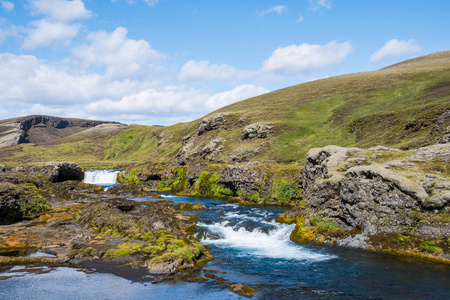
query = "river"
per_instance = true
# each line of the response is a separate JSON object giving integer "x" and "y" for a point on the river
{"x": 250, "y": 248}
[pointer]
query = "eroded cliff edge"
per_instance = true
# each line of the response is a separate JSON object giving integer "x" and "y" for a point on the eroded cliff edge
{"x": 40, "y": 129}
{"x": 379, "y": 198}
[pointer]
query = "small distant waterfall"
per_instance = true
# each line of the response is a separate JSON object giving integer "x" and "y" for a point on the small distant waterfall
{"x": 105, "y": 178}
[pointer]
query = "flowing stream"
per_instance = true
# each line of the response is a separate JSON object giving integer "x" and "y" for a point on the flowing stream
{"x": 250, "y": 248}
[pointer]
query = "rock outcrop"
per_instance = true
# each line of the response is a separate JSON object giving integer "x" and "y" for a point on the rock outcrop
{"x": 20, "y": 201}
{"x": 57, "y": 171}
{"x": 380, "y": 191}
{"x": 260, "y": 130}
{"x": 213, "y": 122}
{"x": 247, "y": 177}
{"x": 195, "y": 146}
{"x": 441, "y": 128}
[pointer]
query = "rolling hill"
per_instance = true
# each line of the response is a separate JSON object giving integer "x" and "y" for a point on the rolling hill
{"x": 406, "y": 105}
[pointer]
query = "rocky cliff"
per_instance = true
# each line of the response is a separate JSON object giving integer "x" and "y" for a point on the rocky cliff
{"x": 41, "y": 129}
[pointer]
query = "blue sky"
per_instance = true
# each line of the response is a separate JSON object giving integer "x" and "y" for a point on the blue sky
{"x": 166, "y": 61}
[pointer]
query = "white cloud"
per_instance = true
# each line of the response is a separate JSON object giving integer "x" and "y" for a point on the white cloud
{"x": 25, "y": 80}
{"x": 239, "y": 93}
{"x": 193, "y": 70}
{"x": 395, "y": 47}
{"x": 300, "y": 18}
{"x": 56, "y": 110}
{"x": 7, "y": 31}
{"x": 320, "y": 4}
{"x": 204, "y": 70}
{"x": 172, "y": 101}
{"x": 305, "y": 59}
{"x": 123, "y": 57}
{"x": 278, "y": 10}
{"x": 60, "y": 10}
{"x": 8, "y": 6}
{"x": 46, "y": 33}
{"x": 151, "y": 2}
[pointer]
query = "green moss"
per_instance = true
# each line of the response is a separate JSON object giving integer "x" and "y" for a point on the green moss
{"x": 111, "y": 253}
{"x": 165, "y": 185}
{"x": 302, "y": 233}
{"x": 155, "y": 249}
{"x": 403, "y": 238}
{"x": 174, "y": 185}
{"x": 207, "y": 185}
{"x": 285, "y": 190}
{"x": 431, "y": 247}
{"x": 147, "y": 236}
{"x": 182, "y": 252}
{"x": 132, "y": 178}
{"x": 324, "y": 222}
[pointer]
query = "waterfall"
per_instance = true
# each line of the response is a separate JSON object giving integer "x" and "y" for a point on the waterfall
{"x": 105, "y": 178}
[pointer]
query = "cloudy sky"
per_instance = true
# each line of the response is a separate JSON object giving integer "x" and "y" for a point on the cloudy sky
{"x": 168, "y": 61}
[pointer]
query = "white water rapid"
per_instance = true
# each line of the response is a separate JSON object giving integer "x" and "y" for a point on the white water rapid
{"x": 274, "y": 244}
{"x": 105, "y": 177}
{"x": 250, "y": 232}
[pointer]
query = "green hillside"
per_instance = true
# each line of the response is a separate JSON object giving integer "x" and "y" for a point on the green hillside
{"x": 398, "y": 106}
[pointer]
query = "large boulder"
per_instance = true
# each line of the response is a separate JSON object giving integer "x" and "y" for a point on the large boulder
{"x": 19, "y": 202}
{"x": 58, "y": 171}
{"x": 245, "y": 177}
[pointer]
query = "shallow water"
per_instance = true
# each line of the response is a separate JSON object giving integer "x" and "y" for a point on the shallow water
{"x": 252, "y": 249}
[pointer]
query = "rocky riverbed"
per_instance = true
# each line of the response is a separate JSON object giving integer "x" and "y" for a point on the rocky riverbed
{"x": 80, "y": 224}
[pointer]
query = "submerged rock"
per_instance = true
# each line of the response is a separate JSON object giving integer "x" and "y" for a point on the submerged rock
{"x": 242, "y": 290}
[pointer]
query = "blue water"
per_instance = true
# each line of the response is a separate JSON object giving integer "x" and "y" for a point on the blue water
{"x": 250, "y": 248}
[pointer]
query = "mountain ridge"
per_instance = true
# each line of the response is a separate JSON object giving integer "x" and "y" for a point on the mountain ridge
{"x": 41, "y": 128}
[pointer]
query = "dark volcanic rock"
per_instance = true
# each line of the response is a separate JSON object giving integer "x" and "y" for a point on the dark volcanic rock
{"x": 20, "y": 202}
{"x": 395, "y": 202}
{"x": 58, "y": 171}
{"x": 245, "y": 177}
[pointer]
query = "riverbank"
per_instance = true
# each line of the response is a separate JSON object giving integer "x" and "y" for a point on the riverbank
{"x": 251, "y": 250}
{"x": 378, "y": 199}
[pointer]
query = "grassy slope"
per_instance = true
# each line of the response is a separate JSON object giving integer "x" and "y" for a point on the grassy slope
{"x": 396, "y": 106}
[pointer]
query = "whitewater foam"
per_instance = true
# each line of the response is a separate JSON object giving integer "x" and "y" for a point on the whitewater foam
{"x": 99, "y": 177}
{"x": 274, "y": 244}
